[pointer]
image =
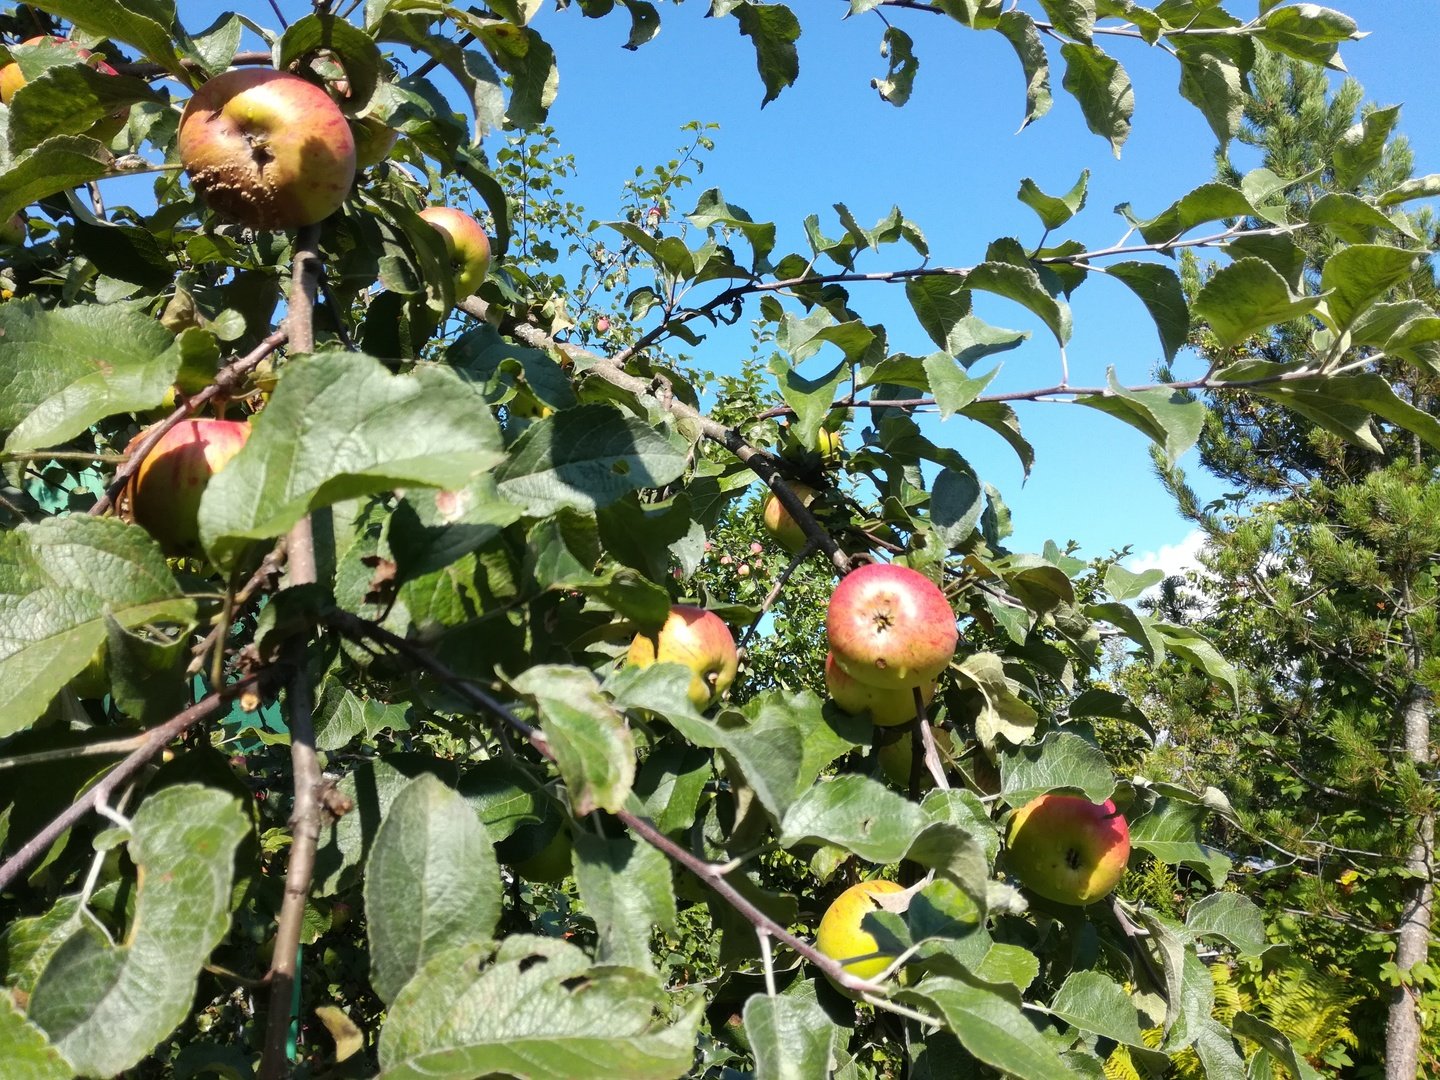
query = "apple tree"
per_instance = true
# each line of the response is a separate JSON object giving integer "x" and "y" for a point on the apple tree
{"x": 340, "y": 767}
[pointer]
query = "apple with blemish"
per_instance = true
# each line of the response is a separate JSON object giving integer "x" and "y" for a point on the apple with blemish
{"x": 267, "y": 149}
{"x": 700, "y": 641}
{"x": 1067, "y": 848}
{"x": 890, "y": 627}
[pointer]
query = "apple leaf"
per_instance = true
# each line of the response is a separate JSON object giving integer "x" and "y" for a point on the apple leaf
{"x": 1095, "y": 1003}
{"x": 1054, "y": 210}
{"x": 149, "y": 25}
{"x": 1062, "y": 761}
{"x": 27, "y": 1053}
{"x": 1356, "y": 276}
{"x": 1232, "y": 917}
{"x": 791, "y": 1035}
{"x": 1102, "y": 87}
{"x": 774, "y": 30}
{"x": 1275, "y": 1043}
{"x": 1170, "y": 419}
{"x": 992, "y": 1027}
{"x": 64, "y": 369}
{"x": 1020, "y": 30}
{"x": 61, "y": 581}
{"x": 105, "y": 1006}
{"x": 626, "y": 887}
{"x": 338, "y": 426}
{"x": 1171, "y": 832}
{"x": 69, "y": 99}
{"x": 587, "y": 457}
{"x": 1245, "y": 297}
{"x": 431, "y": 883}
{"x": 593, "y": 747}
{"x": 1158, "y": 288}
{"x": 352, "y": 47}
{"x": 538, "y": 1010}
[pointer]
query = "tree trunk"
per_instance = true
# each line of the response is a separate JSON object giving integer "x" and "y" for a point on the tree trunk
{"x": 1402, "y": 1028}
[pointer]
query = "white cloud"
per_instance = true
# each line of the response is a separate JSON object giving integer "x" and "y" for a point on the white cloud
{"x": 1170, "y": 558}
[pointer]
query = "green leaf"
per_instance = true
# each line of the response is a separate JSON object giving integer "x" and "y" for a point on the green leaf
{"x": 1361, "y": 147}
{"x": 711, "y": 209}
{"x": 61, "y": 582}
{"x": 1171, "y": 831}
{"x": 1351, "y": 218}
{"x": 1212, "y": 82}
{"x": 1075, "y": 18}
{"x": 69, "y": 98}
{"x": 1196, "y": 648}
{"x": 1308, "y": 32}
{"x": 940, "y": 302}
{"x": 149, "y": 25}
{"x": 1420, "y": 187}
{"x": 953, "y": 389}
{"x": 1359, "y": 274}
{"x": 1139, "y": 628}
{"x": 431, "y": 883}
{"x": 58, "y": 164}
{"x": 1158, "y": 288}
{"x": 792, "y": 1037}
{"x": 1062, "y": 761}
{"x": 534, "y": 77}
{"x": 774, "y": 30}
{"x": 1216, "y": 1049}
{"x": 626, "y": 888}
{"x": 592, "y": 745}
{"x": 339, "y": 426}
{"x": 810, "y": 398}
{"x": 1003, "y": 712}
{"x": 1231, "y": 917}
{"x": 1208, "y": 202}
{"x": 896, "y": 47}
{"x": 1124, "y": 585}
{"x": 352, "y": 47}
{"x": 859, "y": 814}
{"x": 1001, "y": 419}
{"x": 587, "y": 458}
{"x": 1275, "y": 1042}
{"x": 341, "y": 716}
{"x": 1022, "y": 284}
{"x": 992, "y": 1027}
{"x": 955, "y": 504}
{"x": 1054, "y": 210}
{"x": 1092, "y": 1002}
{"x": 1170, "y": 419}
{"x": 1245, "y": 297}
{"x": 1102, "y": 87}
{"x": 1020, "y": 30}
{"x": 26, "y": 1052}
{"x": 64, "y": 369}
{"x": 106, "y": 1006}
{"x": 541, "y": 1011}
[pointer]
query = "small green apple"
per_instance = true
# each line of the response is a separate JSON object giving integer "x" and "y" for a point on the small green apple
{"x": 698, "y": 639}
{"x": 778, "y": 522}
{"x": 840, "y": 937}
{"x": 1068, "y": 849}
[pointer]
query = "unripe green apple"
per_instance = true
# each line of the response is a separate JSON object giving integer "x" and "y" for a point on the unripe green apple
{"x": 890, "y": 627}
{"x": 1068, "y": 849}
{"x": 698, "y": 639}
{"x": 467, "y": 244}
{"x": 551, "y": 864}
{"x": 778, "y": 522}
{"x": 374, "y": 139}
{"x": 164, "y": 494}
{"x": 829, "y": 444}
{"x": 267, "y": 149}
{"x": 887, "y": 708}
{"x": 840, "y": 936}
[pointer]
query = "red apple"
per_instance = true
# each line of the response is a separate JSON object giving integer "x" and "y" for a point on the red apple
{"x": 698, "y": 639}
{"x": 163, "y": 495}
{"x": 12, "y": 78}
{"x": 1068, "y": 849}
{"x": 267, "y": 149}
{"x": 467, "y": 244}
{"x": 888, "y": 708}
{"x": 778, "y": 522}
{"x": 891, "y": 627}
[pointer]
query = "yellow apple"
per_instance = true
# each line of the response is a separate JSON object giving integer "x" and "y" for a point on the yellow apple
{"x": 698, "y": 639}
{"x": 888, "y": 708}
{"x": 840, "y": 936}
{"x": 778, "y": 522}
{"x": 1067, "y": 848}
{"x": 467, "y": 244}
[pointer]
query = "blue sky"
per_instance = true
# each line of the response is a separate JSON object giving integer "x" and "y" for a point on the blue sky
{"x": 952, "y": 160}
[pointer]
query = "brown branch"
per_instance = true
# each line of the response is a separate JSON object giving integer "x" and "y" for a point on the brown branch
{"x": 774, "y": 594}
{"x": 154, "y": 741}
{"x": 305, "y": 765}
{"x": 155, "y": 71}
{"x": 227, "y": 379}
{"x": 263, "y": 578}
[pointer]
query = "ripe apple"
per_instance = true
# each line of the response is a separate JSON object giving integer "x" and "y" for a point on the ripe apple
{"x": 840, "y": 936}
{"x": 1068, "y": 849}
{"x": 163, "y": 495}
{"x": 698, "y": 639}
{"x": 887, "y": 708}
{"x": 895, "y": 757}
{"x": 890, "y": 627}
{"x": 267, "y": 149}
{"x": 778, "y": 522}
{"x": 467, "y": 244}
{"x": 12, "y": 78}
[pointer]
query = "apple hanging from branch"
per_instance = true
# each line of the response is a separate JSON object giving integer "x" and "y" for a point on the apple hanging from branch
{"x": 891, "y": 627}
{"x": 780, "y": 524}
{"x": 840, "y": 936}
{"x": 467, "y": 244}
{"x": 163, "y": 495}
{"x": 887, "y": 708}
{"x": 267, "y": 149}
{"x": 698, "y": 639}
{"x": 1067, "y": 848}
{"x": 12, "y": 78}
